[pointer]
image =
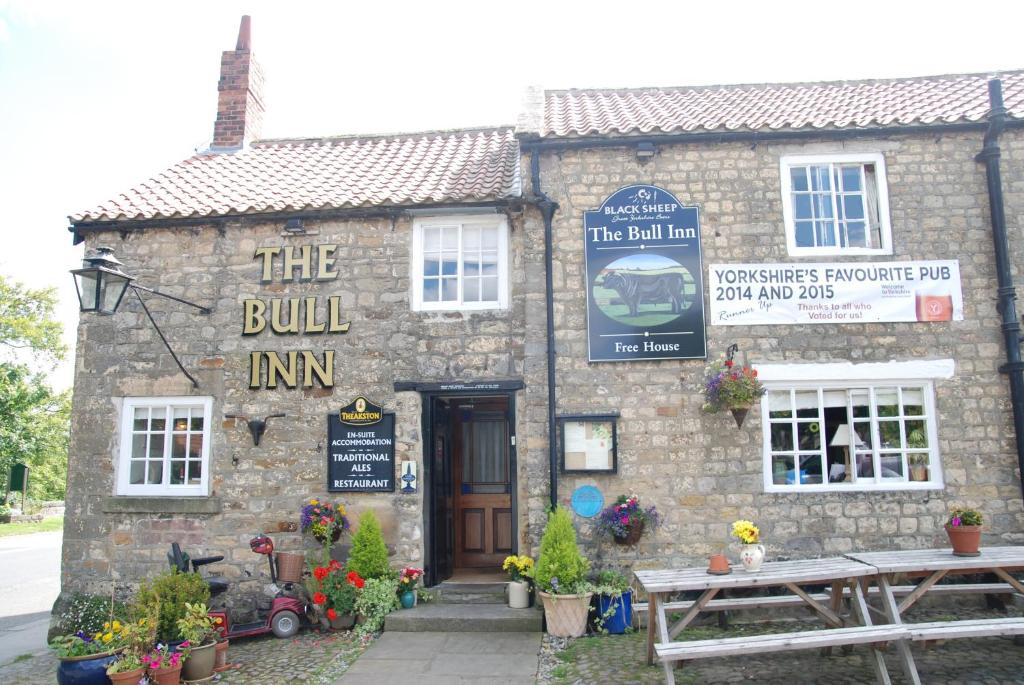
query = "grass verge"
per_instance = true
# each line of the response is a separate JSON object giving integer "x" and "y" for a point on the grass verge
{"x": 47, "y": 525}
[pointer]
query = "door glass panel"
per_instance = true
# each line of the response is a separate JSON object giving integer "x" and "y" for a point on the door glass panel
{"x": 486, "y": 459}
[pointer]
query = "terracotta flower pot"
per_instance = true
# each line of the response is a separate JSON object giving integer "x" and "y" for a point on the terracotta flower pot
{"x": 633, "y": 536}
{"x": 221, "y": 662}
{"x": 965, "y": 540}
{"x": 718, "y": 565}
{"x": 166, "y": 676}
{"x": 566, "y": 615}
{"x": 128, "y": 677}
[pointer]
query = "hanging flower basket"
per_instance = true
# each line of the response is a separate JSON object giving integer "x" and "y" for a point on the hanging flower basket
{"x": 730, "y": 386}
{"x": 739, "y": 413}
{"x": 632, "y": 536}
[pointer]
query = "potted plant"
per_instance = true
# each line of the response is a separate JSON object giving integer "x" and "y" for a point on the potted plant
{"x": 560, "y": 576}
{"x": 727, "y": 386}
{"x": 164, "y": 665}
{"x": 325, "y": 522}
{"x": 918, "y": 466}
{"x": 519, "y": 569}
{"x": 334, "y": 594}
{"x": 170, "y": 593}
{"x": 408, "y": 577}
{"x": 199, "y": 633}
{"x": 614, "y": 602}
{"x": 626, "y": 519}
{"x": 137, "y": 638}
{"x": 377, "y": 599}
{"x": 751, "y": 553}
{"x": 369, "y": 555}
{"x": 964, "y": 530}
{"x": 84, "y": 658}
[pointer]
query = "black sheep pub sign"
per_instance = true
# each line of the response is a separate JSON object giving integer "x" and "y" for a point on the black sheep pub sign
{"x": 645, "y": 286}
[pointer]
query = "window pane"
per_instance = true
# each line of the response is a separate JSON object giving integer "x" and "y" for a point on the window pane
{"x": 178, "y": 447}
{"x": 141, "y": 419}
{"x": 450, "y": 238}
{"x": 778, "y": 404}
{"x": 823, "y": 206}
{"x": 177, "y": 472}
{"x": 490, "y": 238}
{"x": 853, "y": 206}
{"x": 450, "y": 264}
{"x": 195, "y": 446}
{"x": 804, "y": 234}
{"x": 851, "y": 178}
{"x": 155, "y": 473}
{"x": 889, "y": 434}
{"x": 782, "y": 470}
{"x": 138, "y": 472}
{"x": 180, "y": 419}
{"x": 430, "y": 290}
{"x": 782, "y": 437}
{"x": 470, "y": 239}
{"x": 888, "y": 403}
{"x": 855, "y": 234}
{"x": 159, "y": 419}
{"x": 892, "y": 465}
{"x": 913, "y": 402}
{"x": 820, "y": 178}
{"x": 798, "y": 177}
{"x": 471, "y": 267}
{"x": 450, "y": 290}
{"x": 431, "y": 266}
{"x": 471, "y": 290}
{"x": 196, "y": 423}
{"x": 195, "y": 472}
{"x": 809, "y": 436}
{"x": 917, "y": 436}
{"x": 431, "y": 239}
{"x": 824, "y": 234}
{"x": 865, "y": 465}
{"x": 810, "y": 469}
{"x": 489, "y": 289}
{"x": 489, "y": 264}
{"x": 802, "y": 206}
{"x": 156, "y": 446}
{"x": 138, "y": 446}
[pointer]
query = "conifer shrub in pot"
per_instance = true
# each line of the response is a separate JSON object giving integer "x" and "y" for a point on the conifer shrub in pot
{"x": 560, "y": 576}
{"x": 369, "y": 555}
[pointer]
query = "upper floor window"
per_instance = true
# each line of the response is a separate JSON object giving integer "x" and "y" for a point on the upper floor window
{"x": 165, "y": 446}
{"x": 836, "y": 204}
{"x": 853, "y": 433}
{"x": 460, "y": 263}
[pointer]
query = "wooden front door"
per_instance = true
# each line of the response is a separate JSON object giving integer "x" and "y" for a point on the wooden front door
{"x": 483, "y": 484}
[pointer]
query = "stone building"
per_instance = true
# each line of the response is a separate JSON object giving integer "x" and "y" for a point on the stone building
{"x": 411, "y": 270}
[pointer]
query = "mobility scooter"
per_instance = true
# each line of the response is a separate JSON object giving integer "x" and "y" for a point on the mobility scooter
{"x": 288, "y": 612}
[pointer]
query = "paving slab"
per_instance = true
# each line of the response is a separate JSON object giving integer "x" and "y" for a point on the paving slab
{"x": 448, "y": 658}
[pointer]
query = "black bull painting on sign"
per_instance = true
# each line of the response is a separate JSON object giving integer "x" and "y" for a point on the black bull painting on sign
{"x": 635, "y": 288}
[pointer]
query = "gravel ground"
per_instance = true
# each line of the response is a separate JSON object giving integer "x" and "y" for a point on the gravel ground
{"x": 620, "y": 659}
{"x": 309, "y": 659}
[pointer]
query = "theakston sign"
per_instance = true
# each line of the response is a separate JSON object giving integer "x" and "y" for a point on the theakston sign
{"x": 645, "y": 290}
{"x": 847, "y": 292}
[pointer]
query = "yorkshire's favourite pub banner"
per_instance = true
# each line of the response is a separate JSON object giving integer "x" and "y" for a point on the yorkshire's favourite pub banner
{"x": 846, "y": 292}
{"x": 645, "y": 290}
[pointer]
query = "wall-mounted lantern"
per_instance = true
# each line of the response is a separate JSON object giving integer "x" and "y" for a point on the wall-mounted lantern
{"x": 101, "y": 286}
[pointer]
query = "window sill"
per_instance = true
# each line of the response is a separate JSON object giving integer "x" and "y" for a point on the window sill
{"x": 845, "y": 252}
{"x": 902, "y": 486}
{"x": 161, "y": 505}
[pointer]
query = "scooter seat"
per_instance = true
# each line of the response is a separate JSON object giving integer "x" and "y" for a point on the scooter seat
{"x": 217, "y": 586}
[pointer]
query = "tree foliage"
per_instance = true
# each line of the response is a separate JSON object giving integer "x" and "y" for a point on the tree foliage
{"x": 34, "y": 419}
{"x": 369, "y": 554}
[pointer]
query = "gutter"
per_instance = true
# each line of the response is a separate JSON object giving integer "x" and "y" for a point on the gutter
{"x": 1014, "y": 367}
{"x": 547, "y": 208}
{"x": 706, "y": 137}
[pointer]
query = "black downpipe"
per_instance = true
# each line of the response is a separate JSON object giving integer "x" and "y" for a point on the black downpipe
{"x": 1006, "y": 306}
{"x": 547, "y": 208}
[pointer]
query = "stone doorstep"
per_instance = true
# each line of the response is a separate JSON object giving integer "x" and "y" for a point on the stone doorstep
{"x": 464, "y": 618}
{"x": 450, "y": 592}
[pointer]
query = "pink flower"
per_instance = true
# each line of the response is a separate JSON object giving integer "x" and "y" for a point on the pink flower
{"x": 956, "y": 521}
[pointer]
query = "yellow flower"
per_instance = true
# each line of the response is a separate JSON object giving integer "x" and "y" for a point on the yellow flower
{"x": 97, "y": 636}
{"x": 746, "y": 532}
{"x": 142, "y": 621}
{"x": 314, "y": 501}
{"x": 108, "y": 637}
{"x": 117, "y": 626}
{"x": 106, "y": 626}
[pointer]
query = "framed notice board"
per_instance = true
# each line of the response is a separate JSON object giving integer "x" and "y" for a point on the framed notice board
{"x": 588, "y": 443}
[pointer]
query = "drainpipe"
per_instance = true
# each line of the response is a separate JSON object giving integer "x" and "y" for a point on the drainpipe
{"x": 547, "y": 208}
{"x": 1014, "y": 367}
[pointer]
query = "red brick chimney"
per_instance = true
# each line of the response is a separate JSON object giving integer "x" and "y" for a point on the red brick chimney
{"x": 240, "y": 99}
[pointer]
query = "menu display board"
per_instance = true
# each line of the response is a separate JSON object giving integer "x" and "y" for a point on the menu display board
{"x": 361, "y": 449}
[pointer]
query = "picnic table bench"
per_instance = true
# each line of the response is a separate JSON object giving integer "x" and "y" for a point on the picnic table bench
{"x": 849, "y": 578}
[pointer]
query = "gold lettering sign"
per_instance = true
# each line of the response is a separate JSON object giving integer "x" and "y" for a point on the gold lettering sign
{"x": 361, "y": 412}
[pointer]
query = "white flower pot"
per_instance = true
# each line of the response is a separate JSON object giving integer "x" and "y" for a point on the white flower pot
{"x": 566, "y": 615}
{"x": 519, "y": 594}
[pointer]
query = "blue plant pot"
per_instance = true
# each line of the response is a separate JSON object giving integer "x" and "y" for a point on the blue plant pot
{"x": 79, "y": 671}
{"x": 622, "y": 611}
{"x": 408, "y": 599}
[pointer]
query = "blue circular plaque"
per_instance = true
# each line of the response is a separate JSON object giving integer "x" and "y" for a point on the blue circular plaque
{"x": 587, "y": 501}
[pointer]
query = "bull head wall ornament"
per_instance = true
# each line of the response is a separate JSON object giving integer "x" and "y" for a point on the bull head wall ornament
{"x": 256, "y": 426}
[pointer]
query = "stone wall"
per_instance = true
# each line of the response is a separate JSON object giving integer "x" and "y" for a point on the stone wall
{"x": 699, "y": 470}
{"x": 260, "y": 489}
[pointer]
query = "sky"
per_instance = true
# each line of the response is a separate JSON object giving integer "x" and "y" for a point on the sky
{"x": 97, "y": 96}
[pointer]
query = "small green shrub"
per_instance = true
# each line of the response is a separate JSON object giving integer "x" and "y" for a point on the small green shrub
{"x": 369, "y": 554}
{"x": 561, "y": 569}
{"x": 170, "y": 591}
{"x": 377, "y": 599}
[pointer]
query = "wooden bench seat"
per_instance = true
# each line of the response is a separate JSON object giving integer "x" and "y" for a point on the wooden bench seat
{"x": 948, "y": 630}
{"x": 742, "y": 603}
{"x": 780, "y": 642}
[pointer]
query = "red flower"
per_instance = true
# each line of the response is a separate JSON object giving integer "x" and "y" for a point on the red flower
{"x": 320, "y": 572}
{"x": 728, "y": 363}
{"x": 335, "y": 565}
{"x": 319, "y": 598}
{"x": 332, "y": 614}
{"x": 351, "y": 577}
{"x": 360, "y": 583}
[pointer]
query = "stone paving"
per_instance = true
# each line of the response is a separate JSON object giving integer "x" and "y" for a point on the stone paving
{"x": 308, "y": 659}
{"x": 619, "y": 659}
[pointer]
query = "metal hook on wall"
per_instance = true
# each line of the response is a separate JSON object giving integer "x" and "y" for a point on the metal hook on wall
{"x": 731, "y": 350}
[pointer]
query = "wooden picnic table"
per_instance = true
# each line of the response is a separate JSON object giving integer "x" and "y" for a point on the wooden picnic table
{"x": 835, "y": 571}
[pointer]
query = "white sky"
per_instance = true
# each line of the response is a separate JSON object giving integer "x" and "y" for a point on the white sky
{"x": 97, "y": 96}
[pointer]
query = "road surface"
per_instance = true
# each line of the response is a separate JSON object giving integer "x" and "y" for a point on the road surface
{"x": 29, "y": 584}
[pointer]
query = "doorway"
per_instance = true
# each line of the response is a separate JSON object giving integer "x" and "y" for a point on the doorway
{"x": 470, "y": 510}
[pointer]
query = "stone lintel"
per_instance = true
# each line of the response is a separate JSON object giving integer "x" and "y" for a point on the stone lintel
{"x": 162, "y": 505}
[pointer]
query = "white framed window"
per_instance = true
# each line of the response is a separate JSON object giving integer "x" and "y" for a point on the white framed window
{"x": 460, "y": 263}
{"x": 165, "y": 446}
{"x": 865, "y": 431}
{"x": 836, "y": 204}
